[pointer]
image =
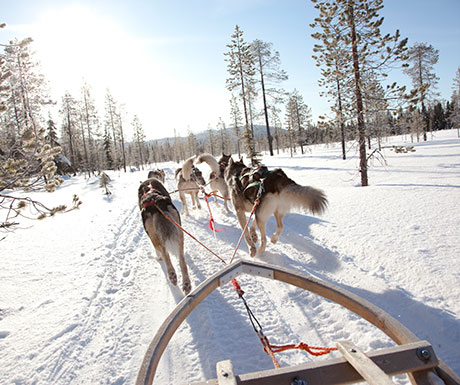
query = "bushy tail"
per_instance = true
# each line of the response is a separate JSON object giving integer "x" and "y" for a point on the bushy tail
{"x": 187, "y": 168}
{"x": 304, "y": 197}
{"x": 210, "y": 160}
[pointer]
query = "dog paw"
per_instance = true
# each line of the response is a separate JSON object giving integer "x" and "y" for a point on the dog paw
{"x": 253, "y": 251}
{"x": 274, "y": 239}
{"x": 172, "y": 277}
{"x": 186, "y": 287}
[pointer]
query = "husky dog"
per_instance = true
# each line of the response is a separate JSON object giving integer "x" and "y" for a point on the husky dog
{"x": 155, "y": 203}
{"x": 277, "y": 195}
{"x": 217, "y": 175}
{"x": 189, "y": 180}
{"x": 157, "y": 173}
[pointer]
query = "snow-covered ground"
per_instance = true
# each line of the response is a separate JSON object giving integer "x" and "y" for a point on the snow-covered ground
{"x": 82, "y": 294}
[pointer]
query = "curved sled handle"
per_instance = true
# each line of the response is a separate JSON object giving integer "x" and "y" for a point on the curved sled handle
{"x": 363, "y": 308}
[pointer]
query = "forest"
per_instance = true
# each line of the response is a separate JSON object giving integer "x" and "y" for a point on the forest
{"x": 42, "y": 139}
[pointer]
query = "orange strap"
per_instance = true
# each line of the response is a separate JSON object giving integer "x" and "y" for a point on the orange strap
{"x": 303, "y": 346}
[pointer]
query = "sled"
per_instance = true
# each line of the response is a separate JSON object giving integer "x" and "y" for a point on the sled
{"x": 411, "y": 355}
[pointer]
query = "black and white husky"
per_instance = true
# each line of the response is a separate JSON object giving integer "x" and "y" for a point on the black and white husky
{"x": 155, "y": 204}
{"x": 277, "y": 195}
{"x": 216, "y": 178}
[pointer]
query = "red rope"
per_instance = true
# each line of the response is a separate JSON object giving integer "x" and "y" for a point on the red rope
{"x": 268, "y": 348}
{"x": 211, "y": 219}
{"x": 244, "y": 230}
{"x": 303, "y": 346}
{"x": 186, "y": 232}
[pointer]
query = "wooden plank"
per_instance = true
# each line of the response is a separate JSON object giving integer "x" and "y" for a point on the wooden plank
{"x": 337, "y": 371}
{"x": 363, "y": 364}
{"x": 225, "y": 374}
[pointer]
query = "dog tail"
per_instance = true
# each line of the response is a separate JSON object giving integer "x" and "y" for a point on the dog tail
{"x": 304, "y": 197}
{"x": 187, "y": 168}
{"x": 210, "y": 160}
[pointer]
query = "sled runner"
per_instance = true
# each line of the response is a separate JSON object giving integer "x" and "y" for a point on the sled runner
{"x": 411, "y": 355}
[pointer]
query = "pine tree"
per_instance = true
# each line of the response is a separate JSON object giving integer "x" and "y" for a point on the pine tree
{"x": 270, "y": 74}
{"x": 423, "y": 57}
{"x": 358, "y": 23}
{"x": 212, "y": 140}
{"x": 454, "y": 117}
{"x": 334, "y": 59}
{"x": 235, "y": 116}
{"x": 298, "y": 115}
{"x": 90, "y": 124}
{"x": 27, "y": 92}
{"x": 275, "y": 117}
{"x": 241, "y": 68}
{"x": 224, "y": 138}
{"x": 112, "y": 125}
{"x": 104, "y": 182}
{"x": 139, "y": 141}
{"x": 107, "y": 146}
{"x": 122, "y": 141}
{"x": 69, "y": 115}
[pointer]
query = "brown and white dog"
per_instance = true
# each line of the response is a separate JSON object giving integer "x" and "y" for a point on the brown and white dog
{"x": 217, "y": 179}
{"x": 157, "y": 173}
{"x": 277, "y": 195}
{"x": 155, "y": 204}
{"x": 189, "y": 180}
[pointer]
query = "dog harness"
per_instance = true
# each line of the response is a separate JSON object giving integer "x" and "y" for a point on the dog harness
{"x": 155, "y": 195}
{"x": 254, "y": 181}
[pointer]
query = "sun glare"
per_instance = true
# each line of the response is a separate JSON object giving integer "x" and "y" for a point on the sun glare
{"x": 76, "y": 43}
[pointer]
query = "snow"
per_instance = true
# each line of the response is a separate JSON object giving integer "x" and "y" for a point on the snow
{"x": 82, "y": 293}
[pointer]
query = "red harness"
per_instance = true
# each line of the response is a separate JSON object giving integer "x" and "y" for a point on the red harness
{"x": 152, "y": 200}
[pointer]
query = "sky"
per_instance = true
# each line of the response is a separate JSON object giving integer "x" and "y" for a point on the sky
{"x": 164, "y": 60}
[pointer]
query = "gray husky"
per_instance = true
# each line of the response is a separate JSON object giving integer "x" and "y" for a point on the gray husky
{"x": 277, "y": 195}
{"x": 155, "y": 203}
{"x": 159, "y": 174}
{"x": 217, "y": 180}
{"x": 189, "y": 180}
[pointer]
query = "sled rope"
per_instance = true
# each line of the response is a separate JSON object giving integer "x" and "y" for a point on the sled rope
{"x": 258, "y": 330}
{"x": 256, "y": 203}
{"x": 303, "y": 346}
{"x": 186, "y": 232}
{"x": 211, "y": 218}
{"x": 267, "y": 347}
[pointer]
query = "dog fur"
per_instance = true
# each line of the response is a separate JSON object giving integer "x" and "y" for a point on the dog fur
{"x": 157, "y": 173}
{"x": 166, "y": 237}
{"x": 189, "y": 179}
{"x": 216, "y": 177}
{"x": 280, "y": 195}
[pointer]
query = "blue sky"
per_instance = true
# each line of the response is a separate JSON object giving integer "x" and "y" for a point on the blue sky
{"x": 165, "y": 59}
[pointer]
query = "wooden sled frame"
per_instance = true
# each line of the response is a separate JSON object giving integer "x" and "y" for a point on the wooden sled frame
{"x": 363, "y": 308}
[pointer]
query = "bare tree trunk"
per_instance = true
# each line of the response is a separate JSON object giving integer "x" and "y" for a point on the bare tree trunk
{"x": 267, "y": 125}
{"x": 359, "y": 99}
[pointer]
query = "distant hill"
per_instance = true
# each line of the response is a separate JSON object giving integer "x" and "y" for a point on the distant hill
{"x": 260, "y": 130}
